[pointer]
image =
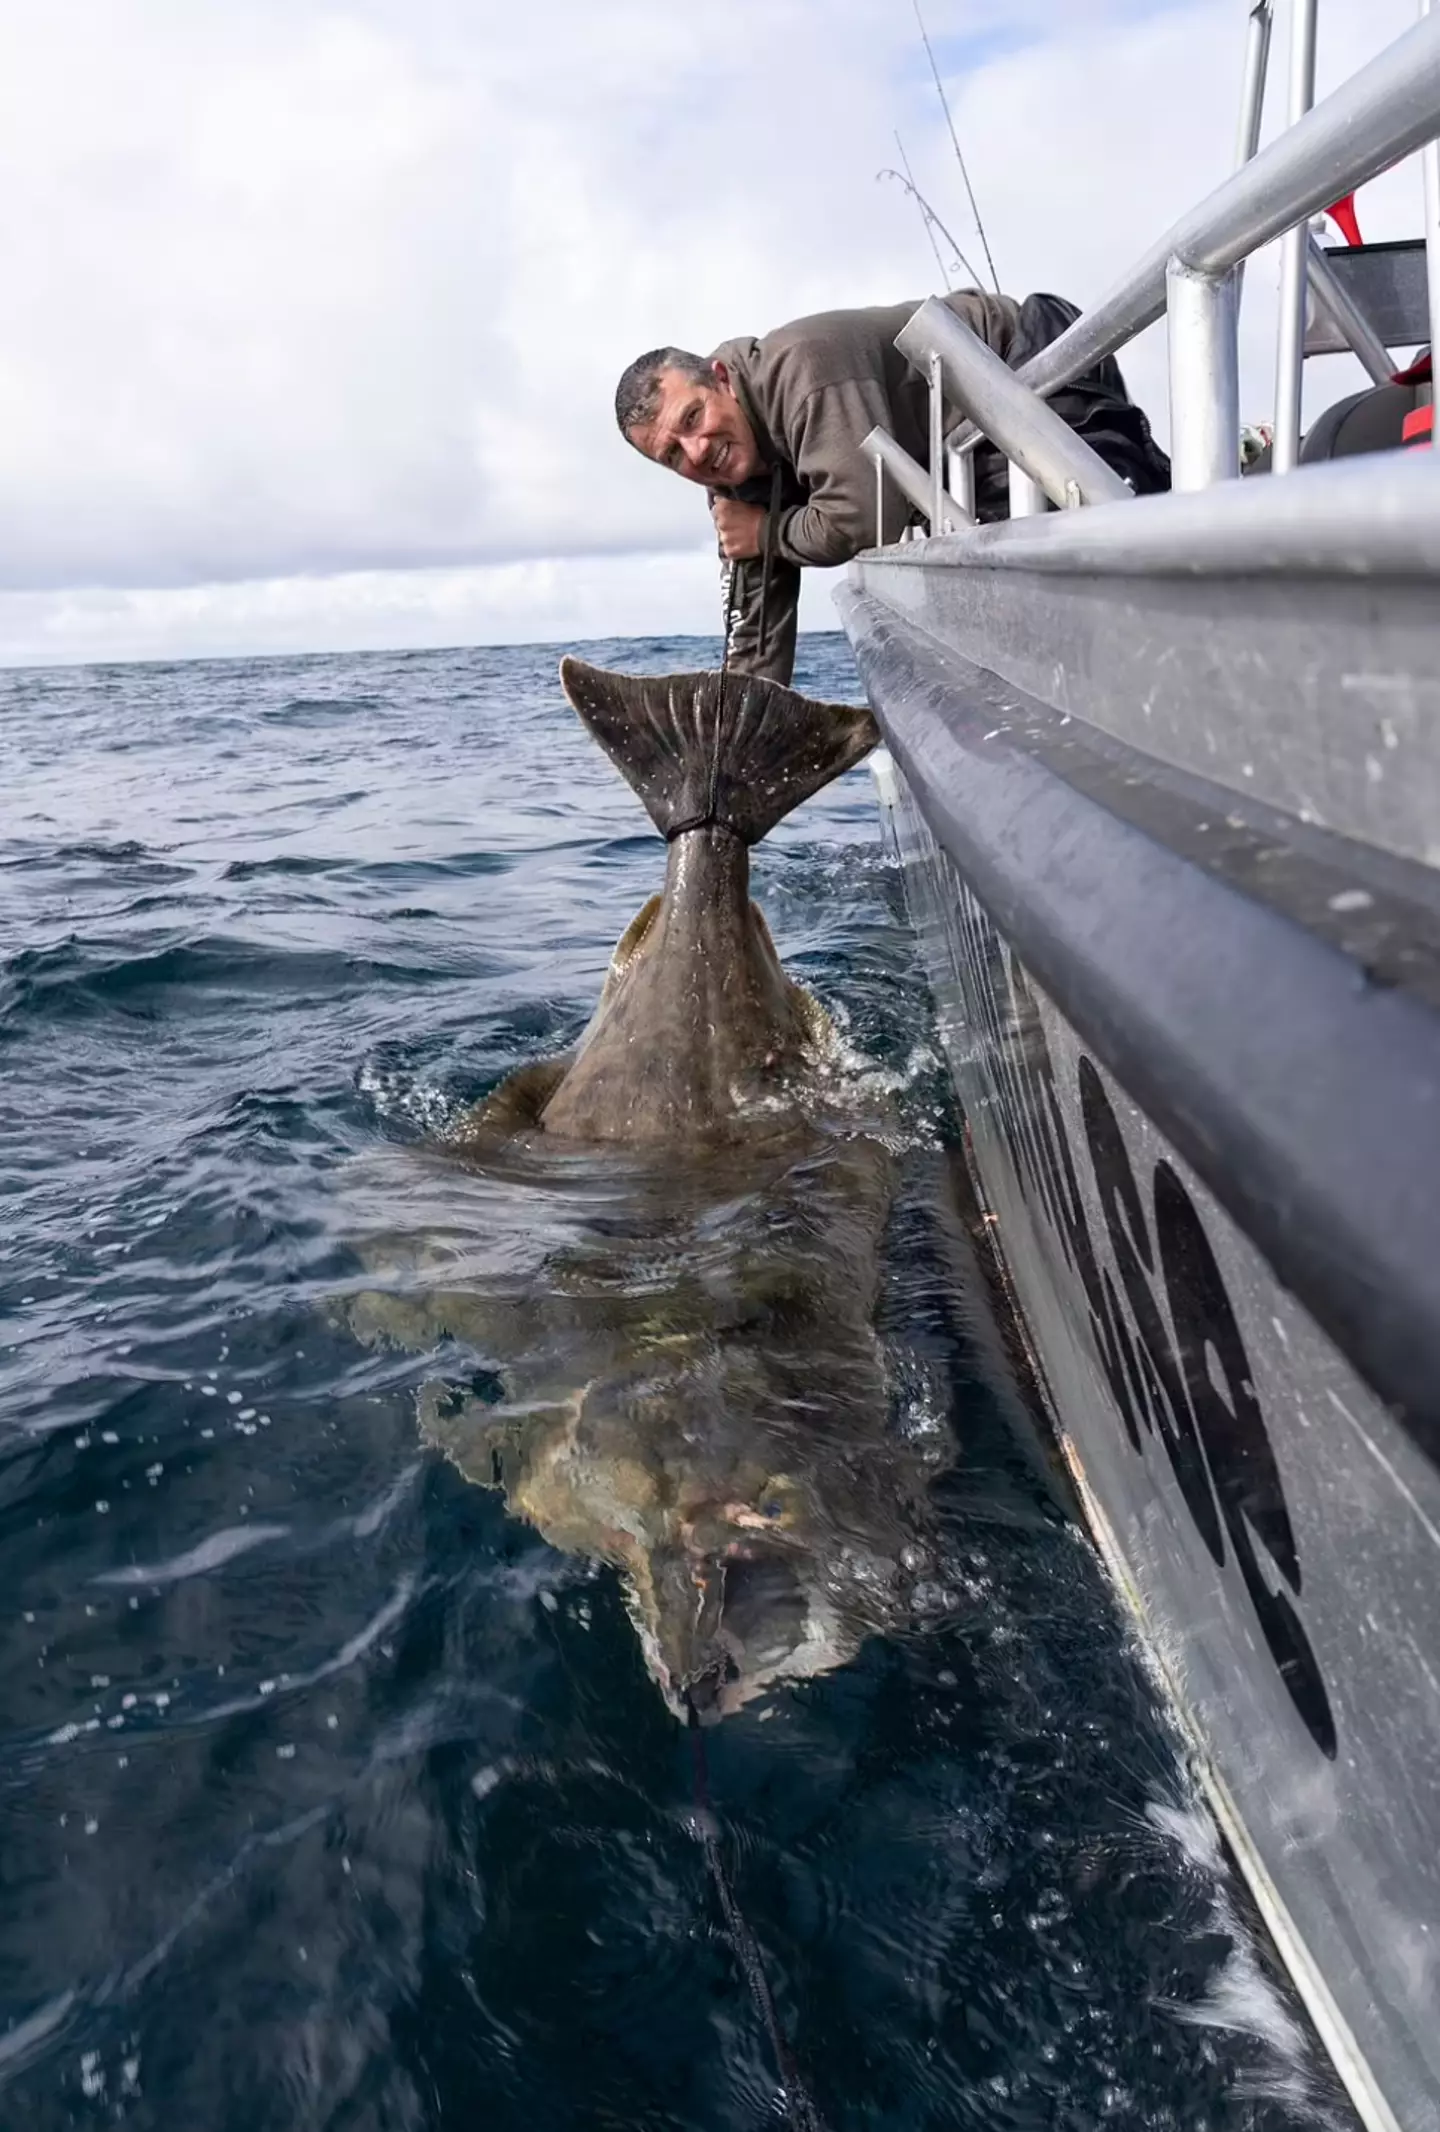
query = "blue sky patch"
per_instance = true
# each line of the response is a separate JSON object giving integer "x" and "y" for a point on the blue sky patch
{"x": 965, "y": 50}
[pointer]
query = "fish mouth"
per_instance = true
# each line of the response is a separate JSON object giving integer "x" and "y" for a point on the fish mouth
{"x": 753, "y": 1623}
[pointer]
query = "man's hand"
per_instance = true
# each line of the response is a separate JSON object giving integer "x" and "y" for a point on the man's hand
{"x": 740, "y": 528}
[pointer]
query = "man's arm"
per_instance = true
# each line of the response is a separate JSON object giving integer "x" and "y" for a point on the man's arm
{"x": 838, "y": 518}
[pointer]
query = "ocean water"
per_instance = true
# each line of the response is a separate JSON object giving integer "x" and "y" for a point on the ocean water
{"x": 333, "y": 1792}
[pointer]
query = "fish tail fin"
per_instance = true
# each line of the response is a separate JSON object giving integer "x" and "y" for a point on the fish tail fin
{"x": 725, "y": 748}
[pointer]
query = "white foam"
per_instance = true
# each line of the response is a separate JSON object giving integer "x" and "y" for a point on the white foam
{"x": 219, "y": 1548}
{"x": 393, "y": 1094}
{"x": 368, "y": 1521}
{"x": 1241, "y": 1997}
{"x": 18, "y": 2042}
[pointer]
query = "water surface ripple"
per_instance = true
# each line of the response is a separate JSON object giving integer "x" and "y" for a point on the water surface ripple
{"x": 331, "y": 1794}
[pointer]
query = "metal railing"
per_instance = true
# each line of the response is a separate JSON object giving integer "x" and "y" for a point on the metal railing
{"x": 1035, "y": 437}
{"x": 914, "y": 483}
{"x": 1294, "y": 254}
{"x": 1381, "y": 115}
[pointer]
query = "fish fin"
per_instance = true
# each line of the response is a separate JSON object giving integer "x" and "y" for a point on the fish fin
{"x": 731, "y": 749}
{"x": 516, "y": 1106}
{"x": 633, "y": 937}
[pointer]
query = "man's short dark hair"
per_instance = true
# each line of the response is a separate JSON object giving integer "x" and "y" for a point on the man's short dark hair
{"x": 637, "y": 396}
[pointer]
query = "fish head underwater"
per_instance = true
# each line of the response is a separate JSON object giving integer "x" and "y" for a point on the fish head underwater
{"x": 686, "y": 1382}
{"x": 675, "y": 1369}
{"x": 691, "y": 1388}
{"x": 742, "y": 1547}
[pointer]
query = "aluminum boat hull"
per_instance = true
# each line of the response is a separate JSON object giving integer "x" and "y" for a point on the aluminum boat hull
{"x": 1168, "y": 807}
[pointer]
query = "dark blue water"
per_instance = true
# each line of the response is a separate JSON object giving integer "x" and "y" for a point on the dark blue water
{"x": 330, "y": 1793}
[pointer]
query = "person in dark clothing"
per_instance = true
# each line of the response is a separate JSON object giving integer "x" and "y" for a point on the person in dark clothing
{"x": 772, "y": 428}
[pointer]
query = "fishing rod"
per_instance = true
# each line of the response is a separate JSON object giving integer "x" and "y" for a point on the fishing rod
{"x": 930, "y": 218}
{"x": 955, "y": 144}
{"x": 927, "y": 214}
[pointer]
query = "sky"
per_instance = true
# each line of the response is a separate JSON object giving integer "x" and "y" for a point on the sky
{"x": 314, "y": 308}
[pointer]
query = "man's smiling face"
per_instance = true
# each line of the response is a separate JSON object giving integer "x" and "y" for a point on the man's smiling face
{"x": 699, "y": 431}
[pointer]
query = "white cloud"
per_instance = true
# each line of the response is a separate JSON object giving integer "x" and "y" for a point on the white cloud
{"x": 313, "y": 311}
{"x": 372, "y": 610}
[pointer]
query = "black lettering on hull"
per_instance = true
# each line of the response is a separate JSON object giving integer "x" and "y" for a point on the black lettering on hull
{"x": 1166, "y": 1337}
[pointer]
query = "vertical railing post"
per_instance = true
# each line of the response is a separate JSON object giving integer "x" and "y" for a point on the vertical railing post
{"x": 1027, "y": 498}
{"x": 1294, "y": 253}
{"x": 1257, "y": 64}
{"x": 1430, "y": 165}
{"x": 1252, "y": 97}
{"x": 879, "y": 502}
{"x": 962, "y": 481}
{"x": 1204, "y": 377}
{"x": 937, "y": 445}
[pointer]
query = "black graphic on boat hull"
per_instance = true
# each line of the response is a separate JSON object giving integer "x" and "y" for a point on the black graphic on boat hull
{"x": 1163, "y": 1327}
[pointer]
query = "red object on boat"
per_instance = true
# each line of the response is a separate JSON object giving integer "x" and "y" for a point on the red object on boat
{"x": 1419, "y": 425}
{"x": 1342, "y": 214}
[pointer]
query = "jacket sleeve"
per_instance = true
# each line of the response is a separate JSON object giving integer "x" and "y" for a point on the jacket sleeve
{"x": 838, "y": 519}
{"x": 777, "y": 662}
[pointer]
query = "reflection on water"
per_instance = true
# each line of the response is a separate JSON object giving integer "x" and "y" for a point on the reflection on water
{"x": 332, "y": 1794}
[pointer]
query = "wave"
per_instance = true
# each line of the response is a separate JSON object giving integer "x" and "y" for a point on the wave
{"x": 127, "y": 849}
{"x": 1241, "y": 1996}
{"x": 283, "y": 862}
{"x": 136, "y": 858}
{"x": 458, "y": 865}
{"x": 74, "y": 978}
{"x": 320, "y": 710}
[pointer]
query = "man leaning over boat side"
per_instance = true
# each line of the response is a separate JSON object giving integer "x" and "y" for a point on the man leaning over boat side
{"x": 773, "y": 427}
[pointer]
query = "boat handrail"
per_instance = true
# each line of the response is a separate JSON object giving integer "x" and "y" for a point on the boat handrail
{"x": 1376, "y": 118}
{"x": 1382, "y": 114}
{"x": 1375, "y": 515}
{"x": 1033, "y": 436}
{"x": 913, "y": 482}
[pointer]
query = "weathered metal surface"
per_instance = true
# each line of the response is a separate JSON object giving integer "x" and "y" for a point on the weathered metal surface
{"x": 1277, "y": 637}
{"x": 1132, "y": 1019}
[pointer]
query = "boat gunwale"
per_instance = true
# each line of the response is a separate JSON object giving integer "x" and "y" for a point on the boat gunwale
{"x": 1376, "y": 516}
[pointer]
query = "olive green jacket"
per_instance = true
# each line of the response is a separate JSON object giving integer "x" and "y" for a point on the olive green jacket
{"x": 812, "y": 390}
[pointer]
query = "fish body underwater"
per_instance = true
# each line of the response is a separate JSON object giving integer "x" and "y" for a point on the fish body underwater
{"x": 662, "y": 1252}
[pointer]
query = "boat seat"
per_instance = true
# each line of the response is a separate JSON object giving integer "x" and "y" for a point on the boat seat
{"x": 1369, "y": 421}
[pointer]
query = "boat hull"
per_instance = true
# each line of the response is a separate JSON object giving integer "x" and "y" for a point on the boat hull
{"x": 1156, "y": 1044}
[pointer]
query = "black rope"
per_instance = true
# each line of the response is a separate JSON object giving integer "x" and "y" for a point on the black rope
{"x": 800, "y": 2111}
{"x": 712, "y": 785}
{"x": 772, "y": 535}
{"x": 730, "y": 605}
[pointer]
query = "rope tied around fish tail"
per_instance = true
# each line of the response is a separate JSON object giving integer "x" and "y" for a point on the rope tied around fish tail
{"x": 800, "y": 2111}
